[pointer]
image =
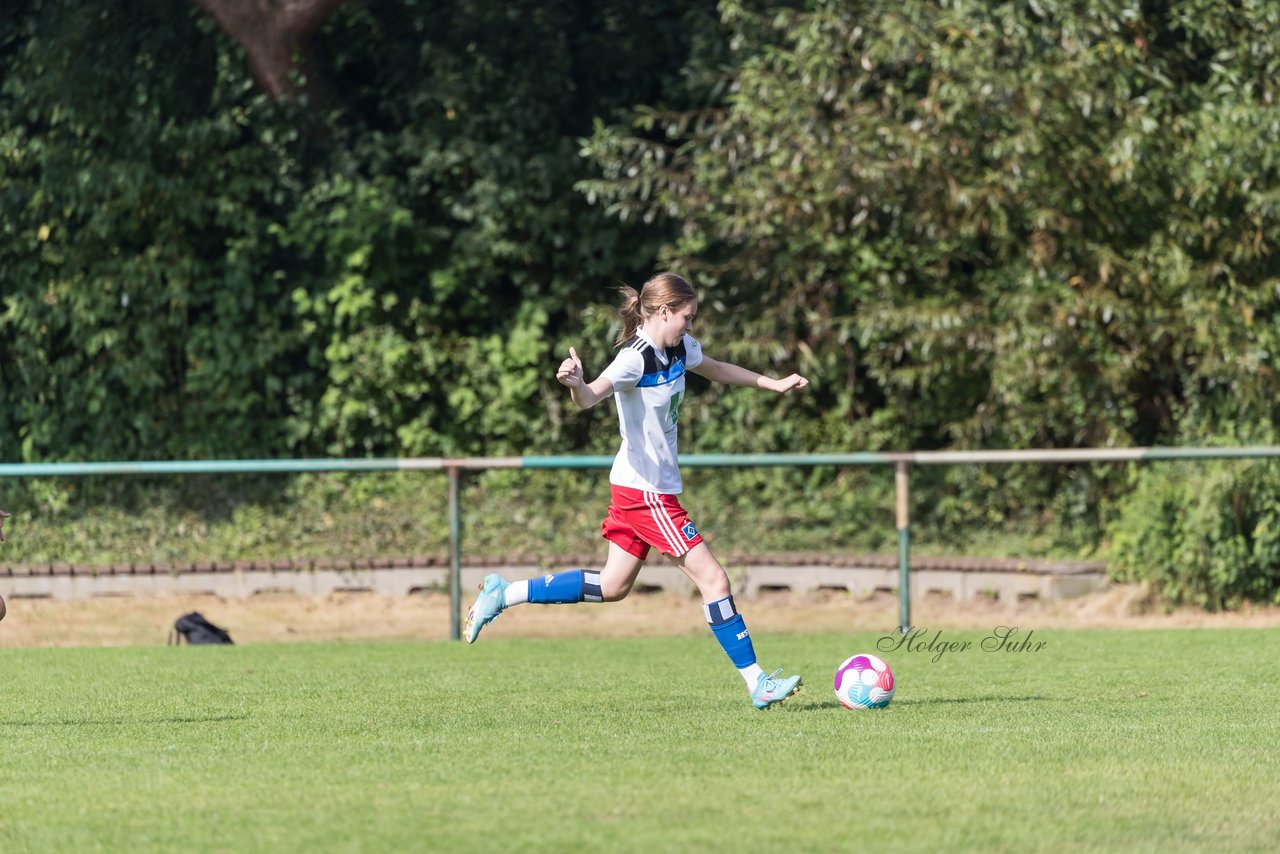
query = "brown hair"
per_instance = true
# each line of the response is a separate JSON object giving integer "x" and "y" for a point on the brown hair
{"x": 663, "y": 289}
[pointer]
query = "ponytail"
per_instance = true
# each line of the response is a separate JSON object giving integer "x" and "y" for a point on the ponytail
{"x": 663, "y": 289}
{"x": 630, "y": 313}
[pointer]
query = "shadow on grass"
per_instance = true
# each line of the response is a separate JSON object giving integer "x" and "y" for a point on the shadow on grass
{"x": 177, "y": 719}
{"x": 810, "y": 704}
{"x": 937, "y": 701}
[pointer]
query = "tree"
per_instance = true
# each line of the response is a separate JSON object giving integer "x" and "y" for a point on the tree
{"x": 1000, "y": 225}
{"x": 276, "y": 36}
{"x": 187, "y": 271}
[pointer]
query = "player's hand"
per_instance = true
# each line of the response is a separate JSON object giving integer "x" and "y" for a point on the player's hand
{"x": 786, "y": 384}
{"x": 3, "y": 516}
{"x": 570, "y": 371}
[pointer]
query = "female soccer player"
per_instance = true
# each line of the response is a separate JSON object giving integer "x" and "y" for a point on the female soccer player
{"x": 647, "y": 379}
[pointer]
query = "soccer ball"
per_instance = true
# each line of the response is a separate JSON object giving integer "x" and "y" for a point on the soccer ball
{"x": 864, "y": 682}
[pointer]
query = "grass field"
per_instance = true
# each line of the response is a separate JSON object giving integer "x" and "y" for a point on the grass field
{"x": 1100, "y": 740}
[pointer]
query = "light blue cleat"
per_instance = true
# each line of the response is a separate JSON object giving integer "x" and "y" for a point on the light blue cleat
{"x": 487, "y": 607}
{"x": 770, "y": 689}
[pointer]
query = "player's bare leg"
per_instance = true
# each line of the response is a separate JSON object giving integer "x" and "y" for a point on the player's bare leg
{"x": 619, "y": 574}
{"x": 727, "y": 625}
{"x": 705, "y": 571}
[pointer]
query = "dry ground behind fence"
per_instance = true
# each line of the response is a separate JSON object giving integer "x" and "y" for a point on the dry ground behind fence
{"x": 283, "y": 618}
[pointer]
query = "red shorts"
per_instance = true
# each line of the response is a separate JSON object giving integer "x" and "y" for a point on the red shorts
{"x": 638, "y": 519}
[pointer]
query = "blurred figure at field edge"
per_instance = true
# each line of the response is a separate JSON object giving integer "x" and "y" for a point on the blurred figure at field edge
{"x": 647, "y": 380}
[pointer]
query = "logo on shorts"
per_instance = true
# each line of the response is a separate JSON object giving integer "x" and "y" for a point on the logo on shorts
{"x": 546, "y": 580}
{"x": 689, "y": 531}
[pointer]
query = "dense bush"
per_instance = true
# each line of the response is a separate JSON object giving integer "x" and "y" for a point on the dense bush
{"x": 987, "y": 225}
{"x": 1202, "y": 534}
{"x": 190, "y": 269}
{"x": 984, "y": 224}
{"x": 972, "y": 224}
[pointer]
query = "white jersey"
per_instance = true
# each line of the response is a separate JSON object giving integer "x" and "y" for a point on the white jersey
{"x": 648, "y": 384}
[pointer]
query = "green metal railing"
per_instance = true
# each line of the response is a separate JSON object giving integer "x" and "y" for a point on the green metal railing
{"x": 454, "y": 468}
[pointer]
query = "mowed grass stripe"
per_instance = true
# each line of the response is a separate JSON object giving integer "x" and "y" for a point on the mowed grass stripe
{"x": 1109, "y": 740}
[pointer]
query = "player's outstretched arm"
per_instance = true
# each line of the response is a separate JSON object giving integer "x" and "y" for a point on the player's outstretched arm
{"x": 585, "y": 394}
{"x": 731, "y": 374}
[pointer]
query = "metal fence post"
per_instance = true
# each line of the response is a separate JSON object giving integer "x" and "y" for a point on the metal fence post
{"x": 455, "y": 555}
{"x": 901, "y": 469}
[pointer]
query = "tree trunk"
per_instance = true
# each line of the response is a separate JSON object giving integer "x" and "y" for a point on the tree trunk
{"x": 275, "y": 35}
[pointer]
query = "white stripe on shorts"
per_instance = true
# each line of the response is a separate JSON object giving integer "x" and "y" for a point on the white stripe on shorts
{"x": 664, "y": 523}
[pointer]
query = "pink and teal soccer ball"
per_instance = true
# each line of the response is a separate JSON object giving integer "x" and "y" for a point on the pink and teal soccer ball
{"x": 864, "y": 682}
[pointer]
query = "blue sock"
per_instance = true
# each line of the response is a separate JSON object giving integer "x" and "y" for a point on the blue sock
{"x": 577, "y": 585}
{"x": 728, "y": 626}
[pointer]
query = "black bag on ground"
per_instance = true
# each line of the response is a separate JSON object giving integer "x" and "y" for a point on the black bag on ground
{"x": 195, "y": 629}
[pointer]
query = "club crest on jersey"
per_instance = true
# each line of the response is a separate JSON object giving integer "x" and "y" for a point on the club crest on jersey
{"x": 689, "y": 531}
{"x": 673, "y": 409}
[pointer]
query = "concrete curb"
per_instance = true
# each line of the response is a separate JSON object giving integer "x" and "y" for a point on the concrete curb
{"x": 957, "y": 578}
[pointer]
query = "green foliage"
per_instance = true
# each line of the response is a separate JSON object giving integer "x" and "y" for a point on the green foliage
{"x": 541, "y": 515}
{"x": 136, "y": 317}
{"x": 970, "y": 224}
{"x": 1005, "y": 225}
{"x": 190, "y": 270}
{"x": 102, "y": 521}
{"x": 980, "y": 225}
{"x": 1206, "y": 535}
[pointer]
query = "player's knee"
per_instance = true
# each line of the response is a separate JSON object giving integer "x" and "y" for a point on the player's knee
{"x": 716, "y": 587}
{"x": 614, "y": 591}
{"x": 707, "y": 573}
